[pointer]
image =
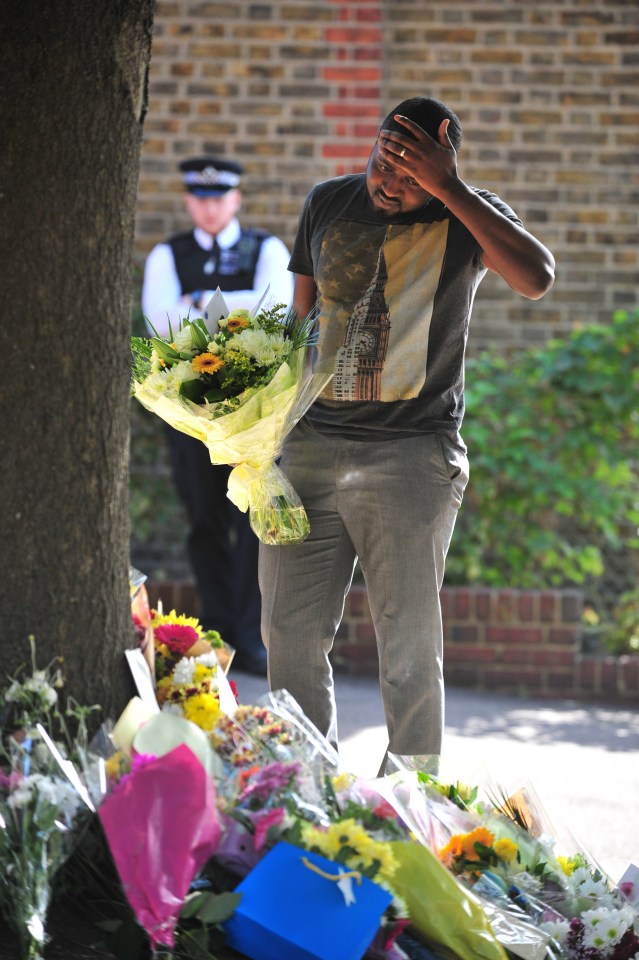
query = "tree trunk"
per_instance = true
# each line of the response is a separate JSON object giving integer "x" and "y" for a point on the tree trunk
{"x": 73, "y": 81}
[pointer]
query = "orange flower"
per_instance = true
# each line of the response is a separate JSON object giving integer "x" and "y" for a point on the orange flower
{"x": 207, "y": 363}
{"x": 237, "y": 323}
{"x": 478, "y": 835}
{"x": 463, "y": 845}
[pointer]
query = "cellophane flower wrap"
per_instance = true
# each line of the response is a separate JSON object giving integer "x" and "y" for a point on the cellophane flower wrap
{"x": 162, "y": 827}
{"x": 239, "y": 382}
{"x": 42, "y": 799}
{"x": 502, "y": 849}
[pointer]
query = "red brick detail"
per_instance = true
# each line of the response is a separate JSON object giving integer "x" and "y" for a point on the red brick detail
{"x": 514, "y": 634}
{"x": 629, "y": 674}
{"x": 354, "y": 150}
{"x": 353, "y": 35}
{"x": 566, "y": 636}
{"x": 553, "y": 658}
{"x": 470, "y": 654}
{"x": 506, "y": 606}
{"x": 342, "y": 109}
{"x": 483, "y": 604}
{"x": 526, "y": 606}
{"x": 352, "y": 74}
{"x": 464, "y": 634}
{"x": 515, "y": 655}
{"x": 548, "y": 607}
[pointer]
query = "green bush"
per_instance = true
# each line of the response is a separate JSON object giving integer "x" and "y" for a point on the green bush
{"x": 621, "y": 636}
{"x": 553, "y": 437}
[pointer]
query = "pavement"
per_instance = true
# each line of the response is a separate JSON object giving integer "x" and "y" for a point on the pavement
{"x": 582, "y": 759}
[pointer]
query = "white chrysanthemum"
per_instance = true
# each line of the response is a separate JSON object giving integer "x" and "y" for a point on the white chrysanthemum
{"x": 579, "y": 876}
{"x": 213, "y": 348}
{"x": 184, "y": 670}
{"x": 603, "y": 928}
{"x": 595, "y": 891}
{"x": 557, "y": 929}
{"x": 262, "y": 347}
{"x": 207, "y": 660}
{"x": 166, "y": 381}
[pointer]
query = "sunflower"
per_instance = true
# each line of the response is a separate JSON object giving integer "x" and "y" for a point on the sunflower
{"x": 207, "y": 363}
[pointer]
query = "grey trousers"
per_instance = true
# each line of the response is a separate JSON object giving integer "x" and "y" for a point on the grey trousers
{"x": 391, "y": 504}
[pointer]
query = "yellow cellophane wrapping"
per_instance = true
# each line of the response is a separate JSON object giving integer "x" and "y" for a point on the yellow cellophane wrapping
{"x": 251, "y": 439}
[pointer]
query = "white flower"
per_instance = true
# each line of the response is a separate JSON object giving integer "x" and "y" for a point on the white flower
{"x": 184, "y": 670}
{"x": 53, "y": 791}
{"x": 38, "y": 684}
{"x": 183, "y": 340}
{"x": 603, "y": 928}
{"x": 166, "y": 381}
{"x": 557, "y": 929}
{"x": 213, "y": 348}
{"x": 207, "y": 660}
{"x": 264, "y": 348}
{"x": 13, "y": 693}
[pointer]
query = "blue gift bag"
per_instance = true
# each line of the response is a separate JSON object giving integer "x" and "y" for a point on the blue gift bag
{"x": 288, "y": 911}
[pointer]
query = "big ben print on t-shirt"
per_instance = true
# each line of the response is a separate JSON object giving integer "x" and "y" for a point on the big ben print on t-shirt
{"x": 376, "y": 294}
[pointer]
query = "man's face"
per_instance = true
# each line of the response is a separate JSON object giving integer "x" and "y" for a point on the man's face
{"x": 212, "y": 214}
{"x": 392, "y": 192}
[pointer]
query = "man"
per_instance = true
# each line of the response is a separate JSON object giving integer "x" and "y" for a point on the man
{"x": 180, "y": 277}
{"x": 393, "y": 258}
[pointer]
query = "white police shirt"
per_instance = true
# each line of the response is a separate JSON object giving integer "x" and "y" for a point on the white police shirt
{"x": 161, "y": 290}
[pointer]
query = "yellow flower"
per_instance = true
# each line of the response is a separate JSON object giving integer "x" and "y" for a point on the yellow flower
{"x": 207, "y": 363}
{"x": 172, "y": 617}
{"x": 342, "y": 781}
{"x": 464, "y": 790}
{"x": 162, "y": 689}
{"x": 567, "y": 864}
{"x": 115, "y": 765}
{"x": 202, "y": 709}
{"x": 506, "y": 850}
{"x": 201, "y": 673}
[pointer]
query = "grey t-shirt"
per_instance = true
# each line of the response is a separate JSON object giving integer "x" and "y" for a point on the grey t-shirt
{"x": 395, "y": 296}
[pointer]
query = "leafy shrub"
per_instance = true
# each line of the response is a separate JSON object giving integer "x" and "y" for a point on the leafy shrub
{"x": 553, "y": 436}
{"x": 622, "y": 635}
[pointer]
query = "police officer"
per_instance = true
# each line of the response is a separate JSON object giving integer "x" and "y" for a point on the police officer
{"x": 180, "y": 277}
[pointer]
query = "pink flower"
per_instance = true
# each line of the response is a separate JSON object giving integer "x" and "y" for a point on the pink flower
{"x": 263, "y": 821}
{"x": 266, "y": 780}
{"x": 178, "y": 637}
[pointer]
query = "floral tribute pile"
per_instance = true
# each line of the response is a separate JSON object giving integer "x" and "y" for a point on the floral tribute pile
{"x": 266, "y": 847}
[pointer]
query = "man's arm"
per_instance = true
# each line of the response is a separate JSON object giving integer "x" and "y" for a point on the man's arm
{"x": 526, "y": 265}
{"x": 305, "y": 294}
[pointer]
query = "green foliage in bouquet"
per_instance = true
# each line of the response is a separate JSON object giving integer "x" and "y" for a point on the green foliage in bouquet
{"x": 244, "y": 354}
{"x": 553, "y": 438}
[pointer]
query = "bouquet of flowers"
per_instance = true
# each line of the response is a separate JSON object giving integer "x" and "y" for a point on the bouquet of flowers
{"x": 176, "y": 636}
{"x": 40, "y": 804}
{"x": 541, "y": 905}
{"x": 238, "y": 382}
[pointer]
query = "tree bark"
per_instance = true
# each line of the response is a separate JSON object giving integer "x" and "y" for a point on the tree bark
{"x": 73, "y": 80}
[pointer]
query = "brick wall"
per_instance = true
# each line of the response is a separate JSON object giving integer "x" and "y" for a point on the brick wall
{"x": 547, "y": 94}
{"x": 524, "y": 642}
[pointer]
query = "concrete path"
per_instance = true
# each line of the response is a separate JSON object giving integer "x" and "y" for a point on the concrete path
{"x": 582, "y": 759}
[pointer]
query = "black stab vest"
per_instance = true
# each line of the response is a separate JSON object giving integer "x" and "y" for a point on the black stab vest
{"x": 233, "y": 269}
